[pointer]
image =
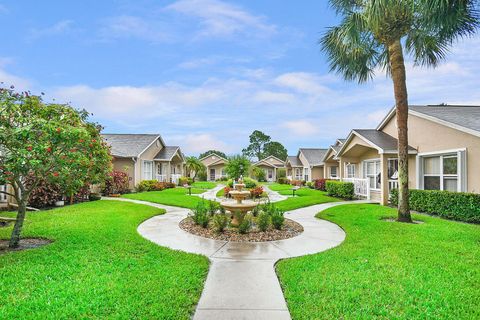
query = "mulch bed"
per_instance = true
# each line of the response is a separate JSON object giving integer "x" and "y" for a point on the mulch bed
{"x": 290, "y": 229}
{"x": 25, "y": 244}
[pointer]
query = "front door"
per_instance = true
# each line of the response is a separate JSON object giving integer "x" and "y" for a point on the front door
{"x": 212, "y": 174}
{"x": 270, "y": 175}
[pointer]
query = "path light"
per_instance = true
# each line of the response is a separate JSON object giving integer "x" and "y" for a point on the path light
{"x": 294, "y": 189}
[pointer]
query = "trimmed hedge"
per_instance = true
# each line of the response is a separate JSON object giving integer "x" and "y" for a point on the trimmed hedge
{"x": 460, "y": 206}
{"x": 340, "y": 189}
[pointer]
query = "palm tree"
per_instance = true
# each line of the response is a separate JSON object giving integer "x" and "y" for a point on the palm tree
{"x": 375, "y": 34}
{"x": 194, "y": 165}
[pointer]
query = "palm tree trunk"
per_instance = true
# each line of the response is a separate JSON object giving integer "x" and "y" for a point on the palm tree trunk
{"x": 397, "y": 65}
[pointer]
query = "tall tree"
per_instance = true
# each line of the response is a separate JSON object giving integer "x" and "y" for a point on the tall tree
{"x": 209, "y": 152}
{"x": 378, "y": 33}
{"x": 275, "y": 149}
{"x": 46, "y": 142}
{"x": 255, "y": 149}
{"x": 237, "y": 166}
{"x": 195, "y": 166}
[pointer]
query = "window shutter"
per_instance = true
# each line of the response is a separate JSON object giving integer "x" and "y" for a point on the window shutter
{"x": 462, "y": 170}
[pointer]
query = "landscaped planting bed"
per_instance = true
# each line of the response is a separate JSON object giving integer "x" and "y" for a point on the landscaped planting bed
{"x": 387, "y": 270}
{"x": 97, "y": 267}
{"x": 289, "y": 230}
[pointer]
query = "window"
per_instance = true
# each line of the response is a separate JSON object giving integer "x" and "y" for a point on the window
{"x": 306, "y": 174}
{"x": 223, "y": 173}
{"x": 392, "y": 169}
{"x": 371, "y": 171}
{"x": 147, "y": 170}
{"x": 159, "y": 168}
{"x": 333, "y": 172}
{"x": 350, "y": 168}
{"x": 440, "y": 172}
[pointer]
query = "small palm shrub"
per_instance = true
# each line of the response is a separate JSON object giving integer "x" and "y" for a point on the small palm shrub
{"x": 200, "y": 215}
{"x": 263, "y": 221}
{"x": 213, "y": 207}
{"x": 220, "y": 222}
{"x": 278, "y": 220}
{"x": 245, "y": 225}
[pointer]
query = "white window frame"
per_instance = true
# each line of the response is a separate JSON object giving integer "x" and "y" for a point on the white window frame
{"x": 350, "y": 175}
{"x": 461, "y": 175}
{"x": 365, "y": 172}
{"x": 336, "y": 172}
{"x": 306, "y": 174}
{"x": 144, "y": 172}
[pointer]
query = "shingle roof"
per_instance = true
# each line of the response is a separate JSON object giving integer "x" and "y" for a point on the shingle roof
{"x": 465, "y": 116}
{"x": 380, "y": 139}
{"x": 295, "y": 161}
{"x": 129, "y": 145}
{"x": 342, "y": 140}
{"x": 314, "y": 155}
{"x": 167, "y": 153}
{"x": 337, "y": 148}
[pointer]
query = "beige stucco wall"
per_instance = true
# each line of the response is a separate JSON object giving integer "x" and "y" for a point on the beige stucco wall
{"x": 218, "y": 170}
{"x": 210, "y": 159}
{"x": 125, "y": 165}
{"x": 303, "y": 160}
{"x": 428, "y": 136}
{"x": 317, "y": 173}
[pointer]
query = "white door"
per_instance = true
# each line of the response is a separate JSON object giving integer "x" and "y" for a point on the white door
{"x": 212, "y": 174}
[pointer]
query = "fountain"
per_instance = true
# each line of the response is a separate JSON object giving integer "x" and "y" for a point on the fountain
{"x": 239, "y": 208}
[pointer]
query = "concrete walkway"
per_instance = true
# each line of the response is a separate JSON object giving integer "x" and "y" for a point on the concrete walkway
{"x": 242, "y": 283}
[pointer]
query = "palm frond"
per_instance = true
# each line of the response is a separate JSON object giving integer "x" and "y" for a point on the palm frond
{"x": 351, "y": 49}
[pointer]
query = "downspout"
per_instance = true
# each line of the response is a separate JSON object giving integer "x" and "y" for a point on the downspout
{"x": 134, "y": 159}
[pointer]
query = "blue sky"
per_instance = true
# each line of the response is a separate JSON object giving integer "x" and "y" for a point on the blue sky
{"x": 206, "y": 73}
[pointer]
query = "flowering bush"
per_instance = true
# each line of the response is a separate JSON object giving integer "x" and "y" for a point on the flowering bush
{"x": 297, "y": 183}
{"x": 320, "y": 184}
{"x": 256, "y": 192}
{"x": 226, "y": 191}
{"x": 116, "y": 182}
{"x": 45, "y": 193}
{"x": 154, "y": 185}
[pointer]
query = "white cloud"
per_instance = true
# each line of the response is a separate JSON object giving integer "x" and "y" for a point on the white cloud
{"x": 302, "y": 82}
{"x": 221, "y": 19}
{"x": 274, "y": 97}
{"x": 59, "y": 28}
{"x": 127, "y": 26}
{"x": 8, "y": 79}
{"x": 197, "y": 143}
{"x": 301, "y": 127}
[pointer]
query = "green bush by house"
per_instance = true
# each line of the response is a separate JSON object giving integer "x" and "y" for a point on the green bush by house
{"x": 340, "y": 189}
{"x": 461, "y": 206}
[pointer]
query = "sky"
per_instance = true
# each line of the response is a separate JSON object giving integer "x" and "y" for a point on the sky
{"x": 205, "y": 73}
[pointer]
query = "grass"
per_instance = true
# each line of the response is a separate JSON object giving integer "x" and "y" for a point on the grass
{"x": 204, "y": 185}
{"x": 97, "y": 267}
{"x": 304, "y": 197}
{"x": 178, "y": 197}
{"x": 387, "y": 270}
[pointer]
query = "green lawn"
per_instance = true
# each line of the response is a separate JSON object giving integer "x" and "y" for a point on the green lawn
{"x": 387, "y": 270}
{"x": 204, "y": 184}
{"x": 304, "y": 197}
{"x": 97, "y": 267}
{"x": 175, "y": 197}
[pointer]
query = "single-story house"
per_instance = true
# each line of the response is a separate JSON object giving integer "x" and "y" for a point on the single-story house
{"x": 330, "y": 167}
{"x": 307, "y": 165}
{"x": 215, "y": 165}
{"x": 145, "y": 157}
{"x": 270, "y": 165}
{"x": 444, "y": 152}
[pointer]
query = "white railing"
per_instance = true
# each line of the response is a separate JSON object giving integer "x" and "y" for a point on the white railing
{"x": 333, "y": 178}
{"x": 175, "y": 178}
{"x": 392, "y": 184}
{"x": 162, "y": 178}
{"x": 361, "y": 187}
{"x": 3, "y": 196}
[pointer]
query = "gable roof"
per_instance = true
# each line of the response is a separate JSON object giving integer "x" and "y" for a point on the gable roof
{"x": 168, "y": 152}
{"x": 212, "y": 154}
{"x": 264, "y": 161}
{"x": 294, "y": 161}
{"x": 460, "y": 117}
{"x": 379, "y": 140}
{"x": 130, "y": 145}
{"x": 314, "y": 156}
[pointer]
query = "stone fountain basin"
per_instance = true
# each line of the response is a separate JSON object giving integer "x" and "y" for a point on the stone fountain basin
{"x": 239, "y": 193}
{"x": 244, "y": 207}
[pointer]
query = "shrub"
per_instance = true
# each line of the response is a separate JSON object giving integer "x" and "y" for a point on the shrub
{"x": 169, "y": 185}
{"x": 297, "y": 183}
{"x": 150, "y": 185}
{"x": 202, "y": 176}
{"x": 220, "y": 222}
{"x": 245, "y": 225}
{"x": 94, "y": 197}
{"x": 249, "y": 183}
{"x": 263, "y": 221}
{"x": 45, "y": 194}
{"x": 283, "y": 180}
{"x": 226, "y": 191}
{"x": 256, "y": 192}
{"x": 344, "y": 190}
{"x": 319, "y": 184}
{"x": 185, "y": 180}
{"x": 116, "y": 182}
{"x": 310, "y": 184}
{"x": 222, "y": 179}
{"x": 213, "y": 207}
{"x": 200, "y": 215}
{"x": 277, "y": 218}
{"x": 281, "y": 173}
{"x": 460, "y": 206}
{"x": 258, "y": 173}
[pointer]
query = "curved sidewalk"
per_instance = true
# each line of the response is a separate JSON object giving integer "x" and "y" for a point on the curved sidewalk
{"x": 242, "y": 283}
